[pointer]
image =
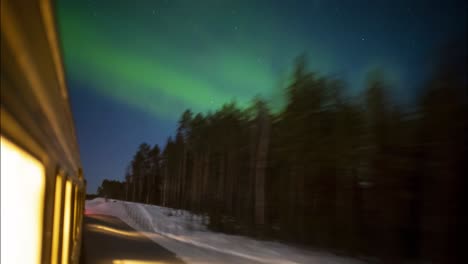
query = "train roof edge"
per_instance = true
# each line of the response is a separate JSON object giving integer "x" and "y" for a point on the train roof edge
{"x": 35, "y": 106}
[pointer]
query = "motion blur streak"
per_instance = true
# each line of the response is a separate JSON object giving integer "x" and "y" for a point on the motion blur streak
{"x": 48, "y": 17}
{"x": 66, "y": 223}
{"x": 57, "y": 216}
{"x": 22, "y": 211}
{"x": 114, "y": 231}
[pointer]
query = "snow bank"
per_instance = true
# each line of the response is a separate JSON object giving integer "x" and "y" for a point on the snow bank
{"x": 189, "y": 229}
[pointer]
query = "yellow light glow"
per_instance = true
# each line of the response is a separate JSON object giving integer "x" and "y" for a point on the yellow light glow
{"x": 66, "y": 223}
{"x": 132, "y": 261}
{"x": 75, "y": 214}
{"x": 57, "y": 217}
{"x": 22, "y": 205}
{"x": 116, "y": 232}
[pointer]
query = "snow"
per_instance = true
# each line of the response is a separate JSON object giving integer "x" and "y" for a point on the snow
{"x": 186, "y": 235}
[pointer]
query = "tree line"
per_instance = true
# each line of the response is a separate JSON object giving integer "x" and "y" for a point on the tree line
{"x": 357, "y": 174}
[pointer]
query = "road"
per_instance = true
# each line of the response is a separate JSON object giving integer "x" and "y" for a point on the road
{"x": 108, "y": 240}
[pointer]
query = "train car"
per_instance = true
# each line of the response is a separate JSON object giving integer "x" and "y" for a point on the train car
{"x": 42, "y": 185}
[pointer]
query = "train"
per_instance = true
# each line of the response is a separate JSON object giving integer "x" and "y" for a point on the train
{"x": 42, "y": 183}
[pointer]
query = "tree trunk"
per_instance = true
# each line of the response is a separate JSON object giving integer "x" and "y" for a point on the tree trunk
{"x": 260, "y": 168}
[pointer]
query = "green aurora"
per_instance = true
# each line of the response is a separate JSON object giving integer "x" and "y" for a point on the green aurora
{"x": 159, "y": 65}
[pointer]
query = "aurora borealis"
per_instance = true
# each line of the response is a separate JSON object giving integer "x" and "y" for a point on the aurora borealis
{"x": 134, "y": 66}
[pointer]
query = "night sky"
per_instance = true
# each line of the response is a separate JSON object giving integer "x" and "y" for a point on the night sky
{"x": 134, "y": 66}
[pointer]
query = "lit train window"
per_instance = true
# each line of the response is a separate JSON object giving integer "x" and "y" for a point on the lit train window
{"x": 75, "y": 222}
{"x": 57, "y": 218}
{"x": 66, "y": 222}
{"x": 72, "y": 218}
{"x": 22, "y": 205}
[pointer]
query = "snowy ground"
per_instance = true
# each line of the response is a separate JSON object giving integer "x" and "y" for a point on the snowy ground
{"x": 192, "y": 242}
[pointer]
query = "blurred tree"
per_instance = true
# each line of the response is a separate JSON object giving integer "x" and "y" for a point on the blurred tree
{"x": 361, "y": 175}
{"x": 140, "y": 167}
{"x": 111, "y": 189}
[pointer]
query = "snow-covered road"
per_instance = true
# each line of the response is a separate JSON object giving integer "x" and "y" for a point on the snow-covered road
{"x": 185, "y": 234}
{"x": 108, "y": 240}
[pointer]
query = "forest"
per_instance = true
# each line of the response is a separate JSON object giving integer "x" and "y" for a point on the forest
{"x": 358, "y": 174}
